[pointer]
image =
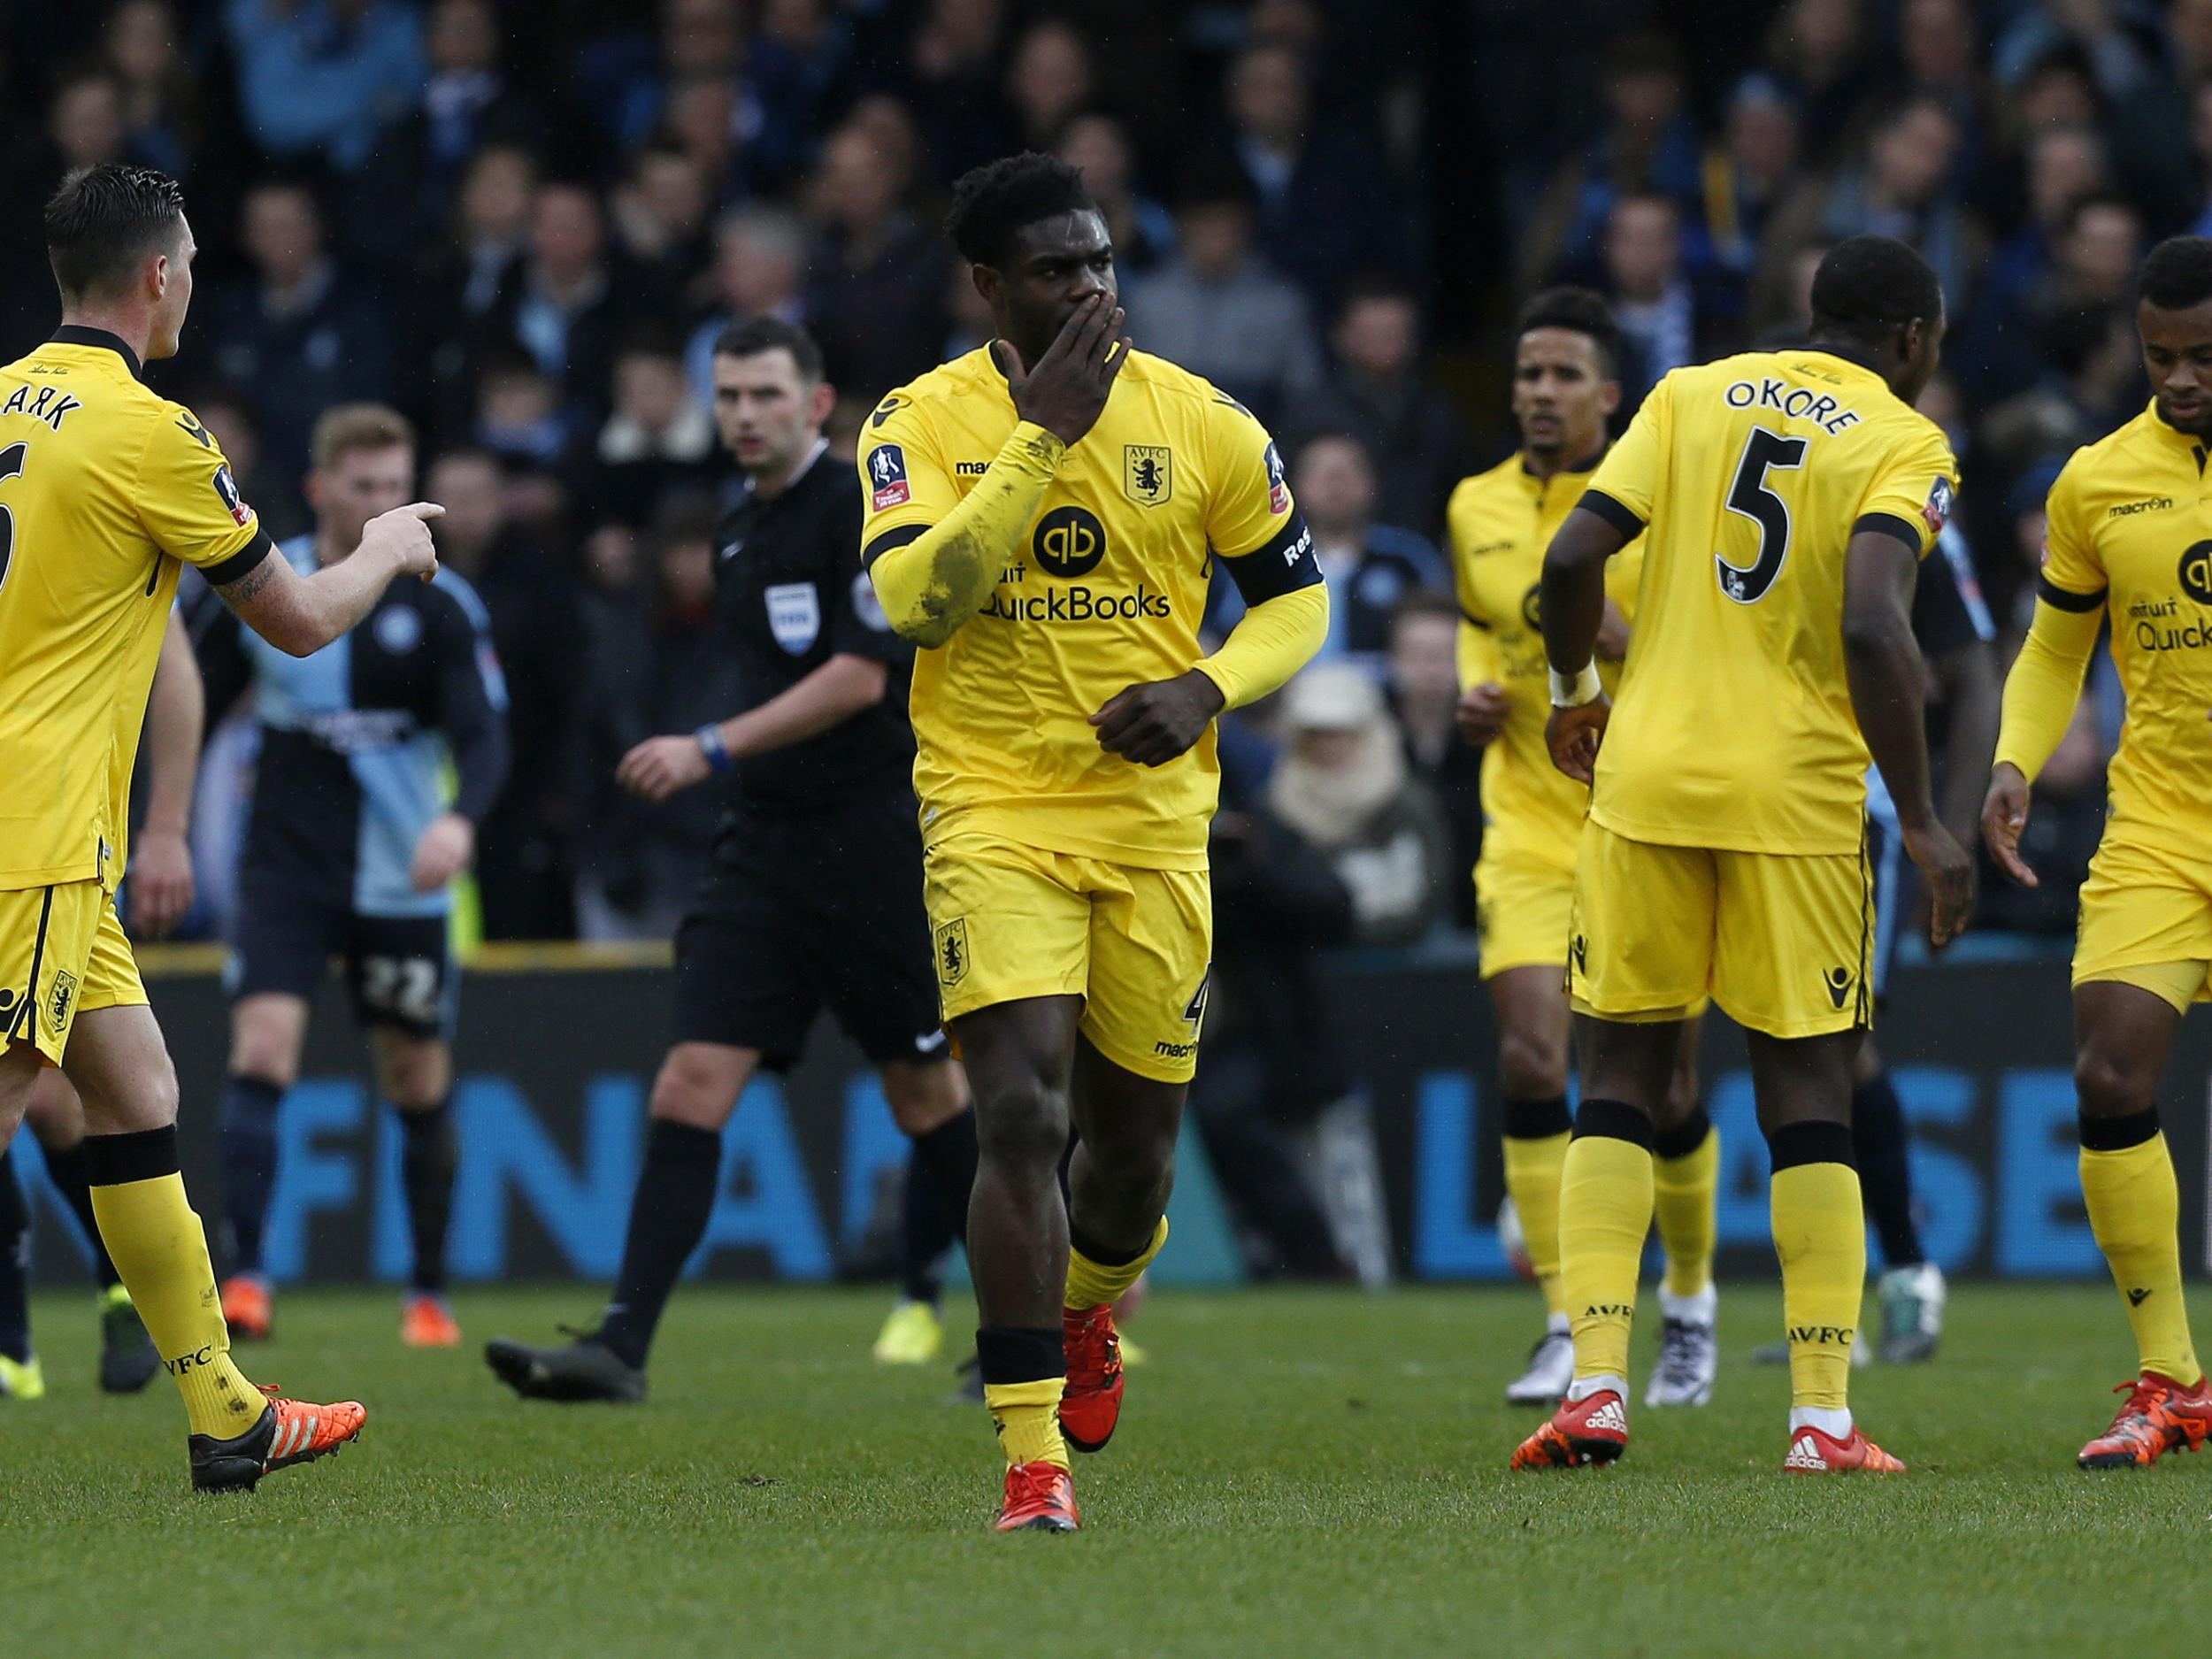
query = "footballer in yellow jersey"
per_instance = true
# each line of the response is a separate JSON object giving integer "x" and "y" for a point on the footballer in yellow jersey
{"x": 1786, "y": 500}
{"x": 106, "y": 489}
{"x": 1042, "y": 518}
{"x": 2129, "y": 540}
{"x": 1501, "y": 521}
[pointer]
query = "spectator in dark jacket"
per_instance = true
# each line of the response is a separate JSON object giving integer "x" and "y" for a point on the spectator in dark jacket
{"x": 878, "y": 293}
{"x": 1378, "y": 395}
{"x": 569, "y": 304}
{"x": 525, "y": 874}
{"x": 1423, "y": 681}
{"x": 298, "y": 334}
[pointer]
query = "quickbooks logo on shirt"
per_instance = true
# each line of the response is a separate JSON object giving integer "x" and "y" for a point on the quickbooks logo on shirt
{"x": 1067, "y": 543}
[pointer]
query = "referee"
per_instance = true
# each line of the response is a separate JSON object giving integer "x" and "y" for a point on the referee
{"x": 814, "y": 896}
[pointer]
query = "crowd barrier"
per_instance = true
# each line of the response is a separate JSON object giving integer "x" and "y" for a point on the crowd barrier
{"x": 557, "y": 1050}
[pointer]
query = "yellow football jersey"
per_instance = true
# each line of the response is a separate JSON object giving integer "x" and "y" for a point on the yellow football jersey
{"x": 105, "y": 487}
{"x": 1106, "y": 591}
{"x": 2129, "y": 529}
{"x": 1734, "y": 728}
{"x": 1499, "y": 523}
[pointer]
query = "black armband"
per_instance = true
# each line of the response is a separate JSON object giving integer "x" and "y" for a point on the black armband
{"x": 1890, "y": 524}
{"x": 1621, "y": 518}
{"x": 2061, "y": 599}
{"x": 241, "y": 562}
{"x": 1277, "y": 567}
{"x": 900, "y": 537}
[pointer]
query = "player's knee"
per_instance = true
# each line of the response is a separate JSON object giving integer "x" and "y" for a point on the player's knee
{"x": 1022, "y": 1125}
{"x": 1530, "y": 1068}
{"x": 415, "y": 1080}
{"x": 690, "y": 1089}
{"x": 265, "y": 1049}
{"x": 2109, "y": 1085}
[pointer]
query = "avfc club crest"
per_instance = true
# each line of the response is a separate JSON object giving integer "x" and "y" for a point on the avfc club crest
{"x": 951, "y": 943}
{"x": 58, "y": 999}
{"x": 1147, "y": 472}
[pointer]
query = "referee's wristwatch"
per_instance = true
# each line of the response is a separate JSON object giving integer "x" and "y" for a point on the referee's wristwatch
{"x": 1571, "y": 691}
{"x": 708, "y": 737}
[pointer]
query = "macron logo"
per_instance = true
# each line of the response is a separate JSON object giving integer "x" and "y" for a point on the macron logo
{"x": 1609, "y": 1416}
{"x": 1804, "y": 1455}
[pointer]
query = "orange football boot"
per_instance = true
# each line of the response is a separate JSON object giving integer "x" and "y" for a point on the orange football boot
{"x": 2159, "y": 1416}
{"x": 1815, "y": 1452}
{"x": 1040, "y": 1498}
{"x": 288, "y": 1432}
{"x": 425, "y": 1321}
{"x": 249, "y": 1307}
{"x": 1091, "y": 1404}
{"x": 1592, "y": 1430}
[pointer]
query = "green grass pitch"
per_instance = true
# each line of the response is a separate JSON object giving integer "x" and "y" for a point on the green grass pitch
{"x": 1296, "y": 1472}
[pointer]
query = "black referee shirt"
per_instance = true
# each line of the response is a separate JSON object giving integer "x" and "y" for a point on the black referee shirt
{"x": 790, "y": 594}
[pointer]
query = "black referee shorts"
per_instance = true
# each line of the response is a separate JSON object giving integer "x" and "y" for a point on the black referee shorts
{"x": 808, "y": 912}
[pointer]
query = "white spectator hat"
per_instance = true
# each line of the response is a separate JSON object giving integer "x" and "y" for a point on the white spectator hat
{"x": 1332, "y": 697}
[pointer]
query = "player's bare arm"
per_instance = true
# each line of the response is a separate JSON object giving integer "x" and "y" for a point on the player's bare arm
{"x": 1887, "y": 675}
{"x": 161, "y": 861}
{"x": 1573, "y": 605}
{"x": 299, "y": 615}
{"x": 932, "y": 584}
{"x": 832, "y": 694}
{"x": 1480, "y": 713}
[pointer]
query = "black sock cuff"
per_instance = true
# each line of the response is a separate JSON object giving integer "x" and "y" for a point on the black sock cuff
{"x": 430, "y": 1120}
{"x": 260, "y": 1091}
{"x": 1010, "y": 1354}
{"x": 1537, "y": 1119}
{"x": 1816, "y": 1142}
{"x": 665, "y": 1138}
{"x": 1104, "y": 1254}
{"x": 1685, "y": 1137}
{"x": 146, "y": 1155}
{"x": 1615, "y": 1120}
{"x": 2117, "y": 1134}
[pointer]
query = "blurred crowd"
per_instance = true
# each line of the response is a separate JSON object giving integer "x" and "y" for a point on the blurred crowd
{"x": 525, "y": 222}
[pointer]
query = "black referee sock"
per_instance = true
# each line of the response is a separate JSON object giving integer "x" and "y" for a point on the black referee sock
{"x": 668, "y": 1217}
{"x": 428, "y": 1161}
{"x": 1879, "y": 1144}
{"x": 72, "y": 1178}
{"x": 948, "y": 1152}
{"x": 926, "y": 1234}
{"x": 15, "y": 1263}
{"x": 249, "y": 1149}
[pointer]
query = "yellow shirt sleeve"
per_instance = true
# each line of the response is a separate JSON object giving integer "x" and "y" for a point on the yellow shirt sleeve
{"x": 1271, "y": 642}
{"x": 1629, "y": 472}
{"x": 189, "y": 502}
{"x": 1915, "y": 484}
{"x": 934, "y": 558}
{"x": 1250, "y": 502}
{"x": 2045, "y": 683}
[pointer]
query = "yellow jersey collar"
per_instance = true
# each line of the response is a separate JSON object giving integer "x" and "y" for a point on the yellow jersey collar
{"x": 1573, "y": 470}
{"x": 78, "y": 334}
{"x": 2188, "y": 443}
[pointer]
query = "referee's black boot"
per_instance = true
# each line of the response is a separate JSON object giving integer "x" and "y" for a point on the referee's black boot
{"x": 584, "y": 1370}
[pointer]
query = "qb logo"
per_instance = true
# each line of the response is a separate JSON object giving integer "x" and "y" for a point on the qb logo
{"x": 1069, "y": 542}
{"x": 2196, "y": 573}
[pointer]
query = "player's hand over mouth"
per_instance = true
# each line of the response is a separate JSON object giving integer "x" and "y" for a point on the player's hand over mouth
{"x": 1066, "y": 390}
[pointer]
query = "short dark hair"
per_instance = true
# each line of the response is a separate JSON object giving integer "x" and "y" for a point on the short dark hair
{"x": 1578, "y": 310}
{"x": 994, "y": 203}
{"x": 1867, "y": 283}
{"x": 749, "y": 336}
{"x": 104, "y": 220}
{"x": 2178, "y": 273}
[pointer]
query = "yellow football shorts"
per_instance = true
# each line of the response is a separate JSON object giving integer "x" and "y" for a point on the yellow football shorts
{"x": 2146, "y": 921}
{"x": 1008, "y": 921}
{"x": 1523, "y": 913}
{"x": 62, "y": 951}
{"x": 1781, "y": 941}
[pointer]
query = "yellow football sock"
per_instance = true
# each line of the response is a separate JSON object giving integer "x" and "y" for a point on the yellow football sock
{"x": 1820, "y": 1238}
{"x": 1604, "y": 1212}
{"x": 160, "y": 1249}
{"x": 2135, "y": 1211}
{"x": 1685, "y": 1196}
{"x": 1028, "y": 1417}
{"x": 1091, "y": 1283}
{"x": 1532, "y": 1168}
